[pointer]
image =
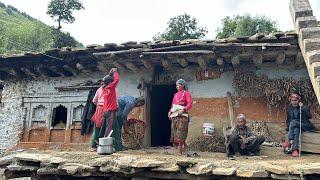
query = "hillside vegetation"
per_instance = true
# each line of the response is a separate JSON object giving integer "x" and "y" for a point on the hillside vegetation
{"x": 20, "y": 32}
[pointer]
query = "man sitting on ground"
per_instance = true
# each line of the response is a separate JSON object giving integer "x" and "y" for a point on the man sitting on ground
{"x": 242, "y": 140}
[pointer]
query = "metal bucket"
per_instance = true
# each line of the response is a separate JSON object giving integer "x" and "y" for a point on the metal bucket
{"x": 208, "y": 129}
{"x": 105, "y": 150}
{"x": 106, "y": 141}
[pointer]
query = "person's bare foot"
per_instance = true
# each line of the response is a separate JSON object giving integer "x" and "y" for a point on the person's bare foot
{"x": 182, "y": 149}
{"x": 93, "y": 149}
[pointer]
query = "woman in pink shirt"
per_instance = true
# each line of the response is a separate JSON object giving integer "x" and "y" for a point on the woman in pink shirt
{"x": 97, "y": 117}
{"x": 178, "y": 114}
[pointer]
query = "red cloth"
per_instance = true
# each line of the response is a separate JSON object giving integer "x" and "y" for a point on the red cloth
{"x": 97, "y": 117}
{"x": 109, "y": 94}
{"x": 183, "y": 98}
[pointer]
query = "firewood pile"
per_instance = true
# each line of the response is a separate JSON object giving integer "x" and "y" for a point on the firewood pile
{"x": 203, "y": 143}
{"x": 133, "y": 133}
{"x": 274, "y": 91}
{"x": 261, "y": 129}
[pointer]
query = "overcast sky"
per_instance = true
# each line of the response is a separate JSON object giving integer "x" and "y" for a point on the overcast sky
{"x": 139, "y": 20}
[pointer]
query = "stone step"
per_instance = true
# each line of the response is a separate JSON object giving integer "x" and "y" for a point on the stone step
{"x": 313, "y": 56}
{"x": 314, "y": 69}
{"x": 300, "y": 9}
{"x": 305, "y": 22}
{"x": 311, "y": 44}
{"x": 309, "y": 33}
{"x": 317, "y": 86}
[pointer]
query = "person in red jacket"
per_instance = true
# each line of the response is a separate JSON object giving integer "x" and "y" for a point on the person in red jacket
{"x": 110, "y": 104}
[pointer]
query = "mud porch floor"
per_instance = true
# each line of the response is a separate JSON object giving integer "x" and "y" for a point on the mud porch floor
{"x": 156, "y": 163}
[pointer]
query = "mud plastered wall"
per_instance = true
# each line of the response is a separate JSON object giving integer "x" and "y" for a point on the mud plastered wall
{"x": 210, "y": 103}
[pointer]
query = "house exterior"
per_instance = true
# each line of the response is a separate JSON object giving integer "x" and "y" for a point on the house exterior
{"x": 44, "y": 95}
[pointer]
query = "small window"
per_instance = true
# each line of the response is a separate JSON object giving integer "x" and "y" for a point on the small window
{"x": 39, "y": 113}
{"x": 77, "y": 113}
{"x": 59, "y": 117}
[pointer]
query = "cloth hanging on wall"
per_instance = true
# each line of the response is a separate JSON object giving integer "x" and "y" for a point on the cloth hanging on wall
{"x": 88, "y": 112}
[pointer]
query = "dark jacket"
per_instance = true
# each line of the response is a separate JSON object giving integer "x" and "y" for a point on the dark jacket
{"x": 88, "y": 112}
{"x": 293, "y": 114}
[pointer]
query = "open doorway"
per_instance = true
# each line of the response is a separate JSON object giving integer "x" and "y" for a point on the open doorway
{"x": 161, "y": 99}
{"x": 59, "y": 117}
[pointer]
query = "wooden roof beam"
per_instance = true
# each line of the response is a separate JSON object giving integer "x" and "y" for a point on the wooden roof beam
{"x": 30, "y": 72}
{"x": 45, "y": 72}
{"x": 280, "y": 58}
{"x": 132, "y": 67}
{"x": 220, "y": 61}
{"x": 56, "y": 70}
{"x": 14, "y": 72}
{"x": 166, "y": 64}
{"x": 299, "y": 59}
{"x": 71, "y": 70}
{"x": 102, "y": 66}
{"x": 82, "y": 69}
{"x": 183, "y": 62}
{"x": 147, "y": 64}
{"x": 251, "y": 53}
{"x": 202, "y": 63}
{"x": 60, "y": 71}
{"x": 118, "y": 65}
{"x": 197, "y": 52}
{"x": 257, "y": 59}
{"x": 235, "y": 61}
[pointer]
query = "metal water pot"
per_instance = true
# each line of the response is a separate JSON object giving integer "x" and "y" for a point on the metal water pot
{"x": 106, "y": 145}
{"x": 105, "y": 150}
{"x": 106, "y": 141}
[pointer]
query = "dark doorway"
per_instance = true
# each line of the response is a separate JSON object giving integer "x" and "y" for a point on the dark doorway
{"x": 59, "y": 117}
{"x": 161, "y": 99}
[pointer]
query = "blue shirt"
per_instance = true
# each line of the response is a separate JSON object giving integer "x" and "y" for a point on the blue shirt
{"x": 126, "y": 104}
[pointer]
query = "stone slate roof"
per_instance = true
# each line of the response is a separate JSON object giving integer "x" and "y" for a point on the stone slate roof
{"x": 281, "y": 48}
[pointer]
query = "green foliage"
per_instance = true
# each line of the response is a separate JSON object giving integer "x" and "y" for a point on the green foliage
{"x": 20, "y": 32}
{"x": 182, "y": 27}
{"x": 61, "y": 10}
{"x": 245, "y": 26}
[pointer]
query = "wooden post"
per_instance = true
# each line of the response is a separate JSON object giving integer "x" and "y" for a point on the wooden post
{"x": 67, "y": 135}
{"x": 231, "y": 110}
{"x": 147, "y": 117}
